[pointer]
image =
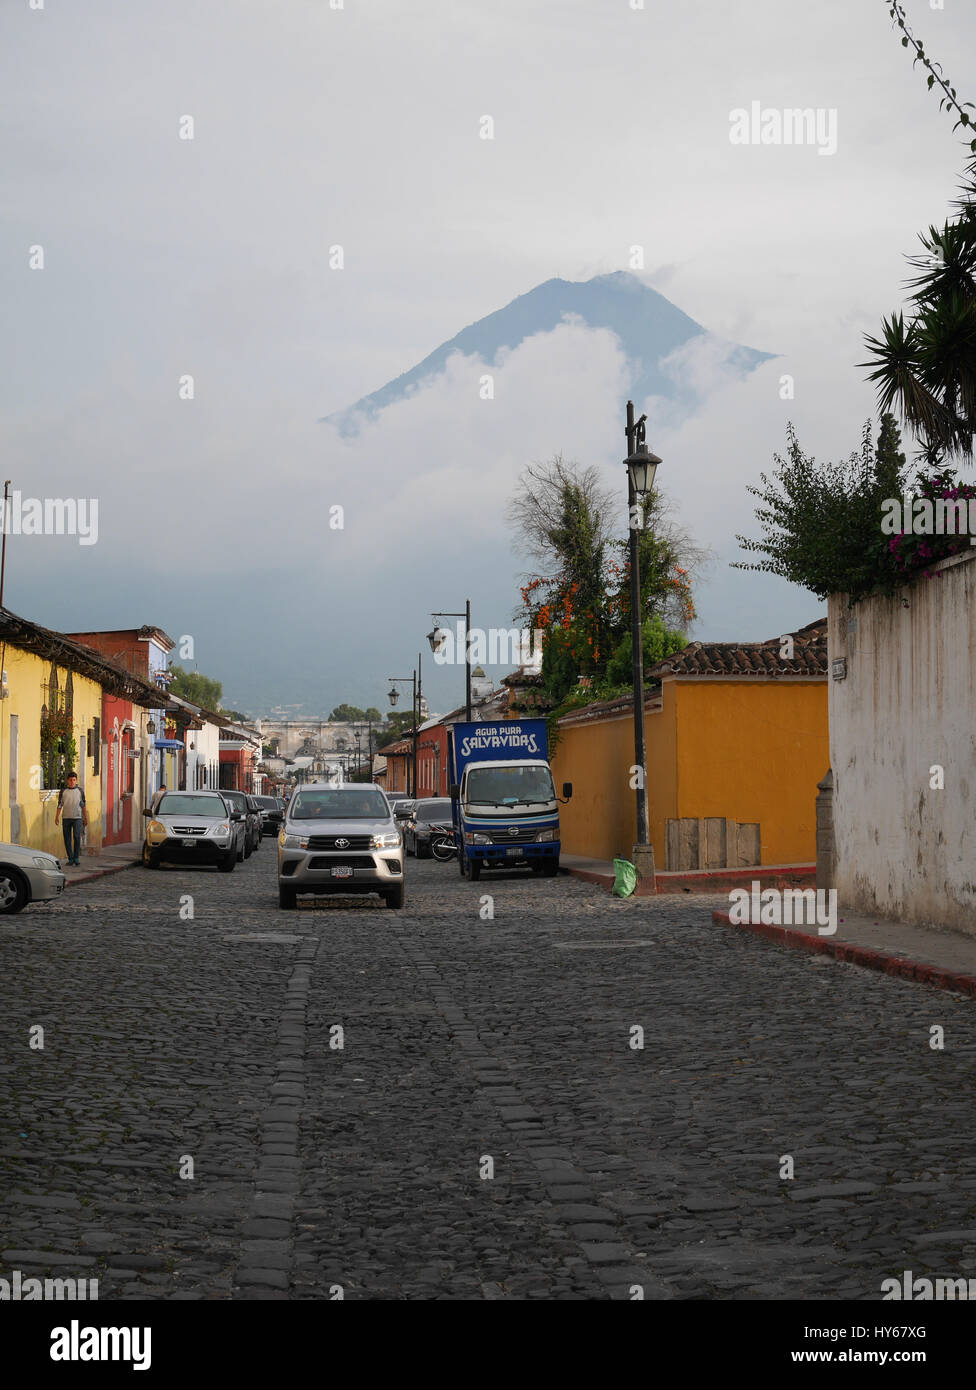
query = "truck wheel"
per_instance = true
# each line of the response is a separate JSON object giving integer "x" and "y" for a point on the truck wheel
{"x": 550, "y": 868}
{"x": 286, "y": 896}
{"x": 393, "y": 897}
{"x": 423, "y": 851}
{"x": 472, "y": 869}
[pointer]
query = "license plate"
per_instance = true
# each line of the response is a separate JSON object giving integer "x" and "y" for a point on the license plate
{"x": 188, "y": 844}
{"x": 512, "y": 853}
{"x": 342, "y": 871}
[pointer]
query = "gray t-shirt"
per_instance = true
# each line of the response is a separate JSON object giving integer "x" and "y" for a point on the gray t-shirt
{"x": 71, "y": 801}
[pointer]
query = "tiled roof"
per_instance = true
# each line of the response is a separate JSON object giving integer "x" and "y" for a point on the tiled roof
{"x": 721, "y": 659}
{"x": 750, "y": 658}
{"x": 65, "y": 651}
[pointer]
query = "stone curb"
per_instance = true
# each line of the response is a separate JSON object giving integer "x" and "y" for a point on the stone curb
{"x": 91, "y": 874}
{"x": 918, "y": 971}
{"x": 716, "y": 881}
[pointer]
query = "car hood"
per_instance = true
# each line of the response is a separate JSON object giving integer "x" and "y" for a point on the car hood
{"x": 8, "y": 851}
{"x": 319, "y": 825}
{"x": 180, "y": 818}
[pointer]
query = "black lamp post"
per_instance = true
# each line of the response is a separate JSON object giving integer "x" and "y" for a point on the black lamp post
{"x": 436, "y": 640}
{"x": 415, "y": 682}
{"x": 641, "y": 467}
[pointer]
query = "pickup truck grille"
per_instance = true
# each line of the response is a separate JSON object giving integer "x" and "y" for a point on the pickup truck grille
{"x": 329, "y": 842}
{"x": 521, "y": 837}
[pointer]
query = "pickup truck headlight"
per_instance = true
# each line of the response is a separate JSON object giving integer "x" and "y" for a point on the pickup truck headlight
{"x": 390, "y": 839}
{"x": 292, "y": 841}
{"x": 472, "y": 838}
{"x": 547, "y": 835}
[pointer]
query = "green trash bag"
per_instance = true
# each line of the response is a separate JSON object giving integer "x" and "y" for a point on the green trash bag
{"x": 625, "y": 878}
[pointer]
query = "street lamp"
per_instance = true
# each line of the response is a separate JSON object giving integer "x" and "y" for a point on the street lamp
{"x": 438, "y": 638}
{"x": 641, "y": 467}
{"x": 415, "y": 683}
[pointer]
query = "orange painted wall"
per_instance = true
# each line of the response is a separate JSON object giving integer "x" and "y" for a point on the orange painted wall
{"x": 755, "y": 752}
{"x": 747, "y": 751}
{"x": 601, "y": 820}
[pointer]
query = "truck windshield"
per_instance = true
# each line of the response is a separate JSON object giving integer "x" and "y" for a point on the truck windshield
{"x": 509, "y": 786}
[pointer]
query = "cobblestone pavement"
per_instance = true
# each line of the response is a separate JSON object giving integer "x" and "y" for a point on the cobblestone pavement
{"x": 470, "y": 1046}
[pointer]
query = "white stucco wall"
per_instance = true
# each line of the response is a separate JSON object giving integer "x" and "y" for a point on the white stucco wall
{"x": 206, "y": 752}
{"x": 904, "y": 849}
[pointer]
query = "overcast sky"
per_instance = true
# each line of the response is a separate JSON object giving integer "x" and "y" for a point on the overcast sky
{"x": 360, "y": 127}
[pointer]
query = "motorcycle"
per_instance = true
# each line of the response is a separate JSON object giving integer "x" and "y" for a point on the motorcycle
{"x": 443, "y": 845}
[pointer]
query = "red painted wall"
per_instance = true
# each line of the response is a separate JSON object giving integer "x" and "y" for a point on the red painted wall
{"x": 117, "y": 802}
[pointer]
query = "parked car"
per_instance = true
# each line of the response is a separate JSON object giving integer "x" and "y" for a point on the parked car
{"x": 194, "y": 828}
{"x": 28, "y": 876}
{"x": 427, "y": 816}
{"x": 254, "y": 807}
{"x": 340, "y": 840}
{"x": 252, "y": 820}
{"x": 272, "y": 814}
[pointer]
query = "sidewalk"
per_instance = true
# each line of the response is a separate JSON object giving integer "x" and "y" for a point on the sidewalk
{"x": 600, "y": 871}
{"x": 110, "y": 859}
{"x": 934, "y": 956}
{"x": 930, "y": 955}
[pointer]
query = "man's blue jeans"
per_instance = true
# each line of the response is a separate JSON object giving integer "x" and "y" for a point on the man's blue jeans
{"x": 72, "y": 838}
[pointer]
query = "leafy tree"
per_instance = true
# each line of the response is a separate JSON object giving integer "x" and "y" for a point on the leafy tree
{"x": 394, "y": 727}
{"x": 374, "y": 714}
{"x": 196, "y": 688}
{"x": 347, "y": 714}
{"x": 563, "y": 516}
{"x": 657, "y": 642}
{"x": 825, "y": 525}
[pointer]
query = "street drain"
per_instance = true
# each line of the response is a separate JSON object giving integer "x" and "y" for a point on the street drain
{"x": 267, "y": 936}
{"x": 601, "y": 945}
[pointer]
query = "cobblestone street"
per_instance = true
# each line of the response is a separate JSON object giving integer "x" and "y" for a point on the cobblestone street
{"x": 486, "y": 1130}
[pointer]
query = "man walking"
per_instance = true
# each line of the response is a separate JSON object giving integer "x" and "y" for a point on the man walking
{"x": 71, "y": 803}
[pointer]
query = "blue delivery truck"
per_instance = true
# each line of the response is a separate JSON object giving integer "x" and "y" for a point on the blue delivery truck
{"x": 503, "y": 801}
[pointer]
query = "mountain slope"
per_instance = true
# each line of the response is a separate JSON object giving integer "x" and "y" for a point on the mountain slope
{"x": 648, "y": 326}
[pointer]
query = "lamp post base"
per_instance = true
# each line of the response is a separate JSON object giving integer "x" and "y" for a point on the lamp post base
{"x": 643, "y": 861}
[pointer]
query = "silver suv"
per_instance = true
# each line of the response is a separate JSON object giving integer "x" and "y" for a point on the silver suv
{"x": 194, "y": 828}
{"x": 340, "y": 839}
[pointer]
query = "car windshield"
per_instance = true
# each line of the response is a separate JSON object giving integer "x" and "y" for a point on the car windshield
{"x": 340, "y": 805}
{"x": 237, "y": 799}
{"x": 433, "y": 810}
{"x": 506, "y": 786}
{"x": 184, "y": 804}
{"x": 268, "y": 802}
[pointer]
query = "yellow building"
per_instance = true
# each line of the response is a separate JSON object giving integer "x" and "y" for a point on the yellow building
{"x": 736, "y": 739}
{"x": 51, "y": 722}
